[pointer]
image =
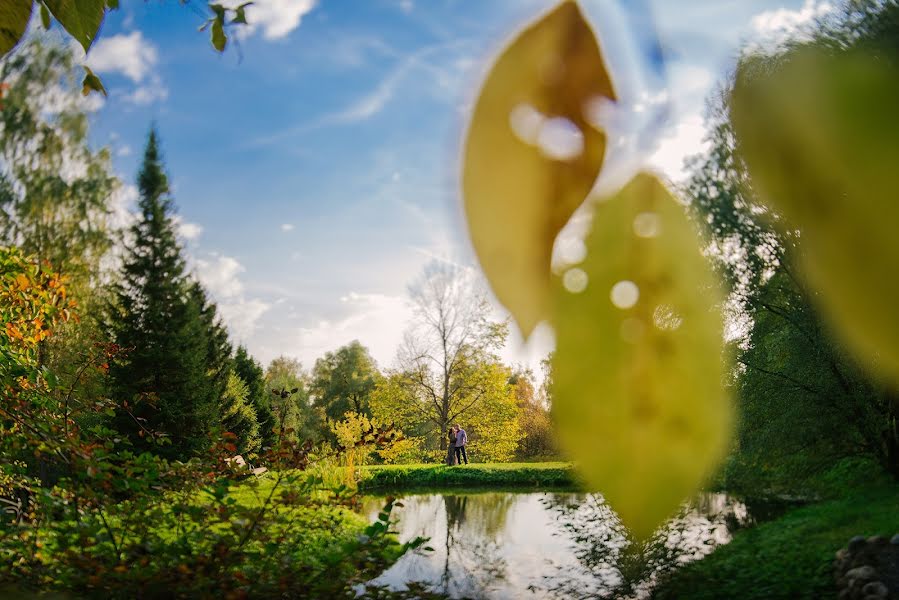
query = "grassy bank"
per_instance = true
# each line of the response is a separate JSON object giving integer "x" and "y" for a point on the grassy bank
{"x": 790, "y": 557}
{"x": 507, "y": 475}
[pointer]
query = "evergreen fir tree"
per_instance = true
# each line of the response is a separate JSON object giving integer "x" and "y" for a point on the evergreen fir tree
{"x": 163, "y": 326}
{"x": 218, "y": 348}
{"x": 252, "y": 374}
{"x": 238, "y": 416}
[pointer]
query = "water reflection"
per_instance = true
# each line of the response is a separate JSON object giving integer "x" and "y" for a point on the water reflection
{"x": 548, "y": 545}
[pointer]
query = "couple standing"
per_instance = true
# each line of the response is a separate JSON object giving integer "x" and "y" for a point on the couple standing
{"x": 455, "y": 453}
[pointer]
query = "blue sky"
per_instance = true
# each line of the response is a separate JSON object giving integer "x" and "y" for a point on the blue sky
{"x": 314, "y": 164}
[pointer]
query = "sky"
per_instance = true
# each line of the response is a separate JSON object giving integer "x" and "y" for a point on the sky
{"x": 315, "y": 162}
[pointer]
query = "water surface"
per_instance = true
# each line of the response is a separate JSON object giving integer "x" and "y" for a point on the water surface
{"x": 547, "y": 544}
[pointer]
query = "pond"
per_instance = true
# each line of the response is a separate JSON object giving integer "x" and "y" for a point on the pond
{"x": 549, "y": 544}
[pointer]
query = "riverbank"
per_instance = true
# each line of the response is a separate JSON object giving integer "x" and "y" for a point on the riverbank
{"x": 790, "y": 557}
{"x": 505, "y": 475}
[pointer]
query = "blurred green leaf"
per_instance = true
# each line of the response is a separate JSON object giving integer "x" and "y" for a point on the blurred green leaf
{"x": 81, "y": 18}
{"x": 639, "y": 368}
{"x": 519, "y": 193}
{"x": 241, "y": 14}
{"x": 91, "y": 83}
{"x": 219, "y": 40}
{"x": 14, "y": 15}
{"x": 45, "y": 16}
{"x": 819, "y": 135}
{"x": 218, "y": 9}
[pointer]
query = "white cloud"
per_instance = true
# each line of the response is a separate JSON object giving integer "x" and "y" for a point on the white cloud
{"x": 123, "y": 150}
{"x": 407, "y": 6}
{"x": 127, "y": 54}
{"x": 188, "y": 231}
{"x": 131, "y": 56}
{"x": 780, "y": 23}
{"x": 685, "y": 139}
{"x": 149, "y": 93}
{"x": 376, "y": 320}
{"x": 276, "y": 18}
{"x": 242, "y": 315}
{"x": 220, "y": 275}
{"x": 287, "y": 227}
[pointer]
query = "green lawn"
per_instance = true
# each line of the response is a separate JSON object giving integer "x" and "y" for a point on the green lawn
{"x": 534, "y": 475}
{"x": 790, "y": 557}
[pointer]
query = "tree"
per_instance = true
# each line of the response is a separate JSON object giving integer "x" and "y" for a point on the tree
{"x": 343, "y": 380}
{"x": 55, "y": 192}
{"x": 238, "y": 415}
{"x": 160, "y": 319}
{"x": 804, "y": 402}
{"x": 219, "y": 363}
{"x": 291, "y": 410}
{"x": 250, "y": 371}
{"x": 537, "y": 439}
{"x": 448, "y": 370}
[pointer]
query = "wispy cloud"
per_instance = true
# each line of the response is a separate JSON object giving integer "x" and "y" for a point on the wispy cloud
{"x": 373, "y": 102}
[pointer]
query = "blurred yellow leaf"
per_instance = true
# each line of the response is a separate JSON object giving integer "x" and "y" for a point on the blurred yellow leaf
{"x": 531, "y": 156}
{"x": 639, "y": 368}
{"x": 821, "y": 140}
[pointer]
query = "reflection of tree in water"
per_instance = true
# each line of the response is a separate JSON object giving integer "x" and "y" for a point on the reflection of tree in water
{"x": 472, "y": 558}
{"x": 621, "y": 568}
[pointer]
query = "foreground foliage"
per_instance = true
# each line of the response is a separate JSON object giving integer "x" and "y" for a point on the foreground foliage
{"x": 85, "y": 512}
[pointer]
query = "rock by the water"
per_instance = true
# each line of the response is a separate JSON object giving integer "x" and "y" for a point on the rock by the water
{"x": 856, "y": 544}
{"x": 877, "y": 589}
{"x": 864, "y": 573}
{"x": 868, "y": 569}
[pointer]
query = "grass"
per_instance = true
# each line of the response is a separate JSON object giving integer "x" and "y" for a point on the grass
{"x": 507, "y": 475}
{"x": 790, "y": 557}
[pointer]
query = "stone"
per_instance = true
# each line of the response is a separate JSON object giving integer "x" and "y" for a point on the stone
{"x": 856, "y": 544}
{"x": 877, "y": 540}
{"x": 865, "y": 573}
{"x": 845, "y": 594}
{"x": 841, "y": 554}
{"x": 895, "y": 540}
{"x": 875, "y": 589}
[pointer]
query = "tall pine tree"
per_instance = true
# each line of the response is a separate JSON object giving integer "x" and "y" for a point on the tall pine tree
{"x": 163, "y": 323}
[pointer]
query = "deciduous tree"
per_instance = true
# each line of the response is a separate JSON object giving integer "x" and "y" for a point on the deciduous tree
{"x": 343, "y": 380}
{"x": 448, "y": 371}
